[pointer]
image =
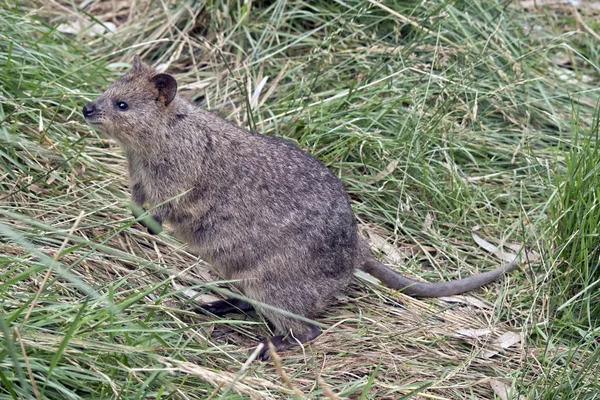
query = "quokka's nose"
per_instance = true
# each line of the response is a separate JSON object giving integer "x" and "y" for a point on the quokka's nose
{"x": 89, "y": 110}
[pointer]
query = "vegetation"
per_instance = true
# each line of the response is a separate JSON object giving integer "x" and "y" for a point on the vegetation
{"x": 441, "y": 118}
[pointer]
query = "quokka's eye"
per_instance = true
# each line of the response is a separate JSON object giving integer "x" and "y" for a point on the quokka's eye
{"x": 122, "y": 105}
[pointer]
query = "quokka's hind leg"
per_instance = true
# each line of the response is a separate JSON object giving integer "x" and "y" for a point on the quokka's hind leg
{"x": 296, "y": 331}
{"x": 289, "y": 331}
{"x": 221, "y": 307}
{"x": 303, "y": 298}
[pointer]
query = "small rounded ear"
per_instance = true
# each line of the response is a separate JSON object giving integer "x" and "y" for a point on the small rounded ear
{"x": 166, "y": 86}
{"x": 137, "y": 63}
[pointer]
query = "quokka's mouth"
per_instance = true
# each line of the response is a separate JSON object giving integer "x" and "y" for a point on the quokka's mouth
{"x": 93, "y": 121}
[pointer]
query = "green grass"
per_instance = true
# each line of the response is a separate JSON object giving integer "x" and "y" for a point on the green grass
{"x": 438, "y": 117}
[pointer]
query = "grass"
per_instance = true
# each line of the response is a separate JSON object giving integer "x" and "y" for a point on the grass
{"x": 438, "y": 117}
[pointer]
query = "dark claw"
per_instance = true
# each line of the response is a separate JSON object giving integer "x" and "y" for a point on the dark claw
{"x": 152, "y": 225}
{"x": 222, "y": 307}
{"x": 278, "y": 342}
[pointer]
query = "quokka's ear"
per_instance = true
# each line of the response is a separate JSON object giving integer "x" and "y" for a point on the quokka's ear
{"x": 166, "y": 87}
{"x": 138, "y": 64}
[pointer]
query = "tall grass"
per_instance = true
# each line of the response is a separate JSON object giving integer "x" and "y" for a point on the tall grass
{"x": 574, "y": 294}
{"x": 437, "y": 116}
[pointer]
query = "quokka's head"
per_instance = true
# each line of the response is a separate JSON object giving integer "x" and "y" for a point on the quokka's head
{"x": 134, "y": 107}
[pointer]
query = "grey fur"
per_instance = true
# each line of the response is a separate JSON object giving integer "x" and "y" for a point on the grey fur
{"x": 257, "y": 208}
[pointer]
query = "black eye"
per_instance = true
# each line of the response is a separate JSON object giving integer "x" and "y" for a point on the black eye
{"x": 122, "y": 105}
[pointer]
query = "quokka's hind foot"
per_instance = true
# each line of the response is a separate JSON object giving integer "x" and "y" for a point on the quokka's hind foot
{"x": 284, "y": 342}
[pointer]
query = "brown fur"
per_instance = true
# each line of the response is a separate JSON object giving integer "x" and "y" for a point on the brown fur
{"x": 259, "y": 209}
